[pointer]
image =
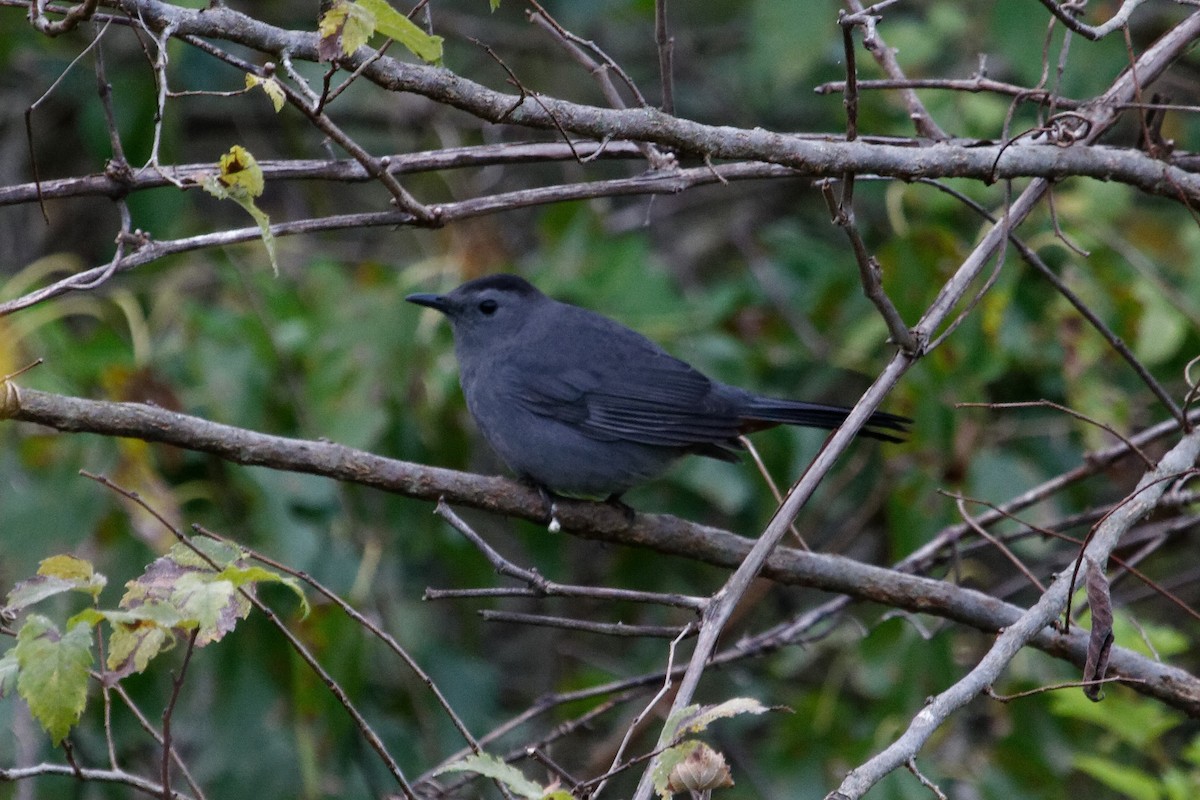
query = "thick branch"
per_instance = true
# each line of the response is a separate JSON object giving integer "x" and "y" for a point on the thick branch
{"x": 600, "y": 521}
{"x": 987, "y": 163}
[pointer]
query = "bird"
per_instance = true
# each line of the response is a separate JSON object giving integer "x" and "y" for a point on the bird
{"x": 580, "y": 405}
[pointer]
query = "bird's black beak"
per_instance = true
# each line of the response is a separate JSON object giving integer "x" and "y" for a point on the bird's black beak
{"x": 438, "y": 301}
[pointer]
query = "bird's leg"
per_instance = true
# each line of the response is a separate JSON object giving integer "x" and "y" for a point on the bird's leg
{"x": 616, "y": 502}
{"x": 550, "y": 504}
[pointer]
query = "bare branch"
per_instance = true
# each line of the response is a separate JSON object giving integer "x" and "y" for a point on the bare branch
{"x": 541, "y": 587}
{"x": 1014, "y": 637}
{"x": 666, "y": 56}
{"x": 117, "y": 776}
{"x": 645, "y": 184}
{"x": 1065, "y": 13}
{"x": 975, "y": 85}
{"x": 77, "y": 14}
{"x": 619, "y": 629}
{"x": 886, "y": 57}
{"x": 1078, "y": 415}
{"x": 600, "y": 521}
{"x": 685, "y": 136}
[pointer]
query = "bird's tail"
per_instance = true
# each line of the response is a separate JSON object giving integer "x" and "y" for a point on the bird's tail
{"x": 764, "y": 412}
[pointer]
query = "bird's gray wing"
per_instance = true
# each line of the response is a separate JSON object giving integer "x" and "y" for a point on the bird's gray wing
{"x": 657, "y": 401}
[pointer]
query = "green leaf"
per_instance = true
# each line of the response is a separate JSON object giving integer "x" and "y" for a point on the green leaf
{"x": 215, "y": 604}
{"x": 205, "y": 550}
{"x": 139, "y": 634}
{"x": 1132, "y": 719}
{"x": 1191, "y": 753}
{"x": 489, "y": 766}
{"x": 68, "y": 568}
{"x": 187, "y": 583}
{"x": 1161, "y": 328}
{"x": 1128, "y": 781}
{"x": 393, "y": 24}
{"x": 241, "y": 576}
{"x": 131, "y": 647}
{"x": 154, "y": 612}
{"x": 241, "y": 180}
{"x": 9, "y": 669}
{"x": 54, "y": 672}
{"x": 694, "y": 719}
{"x": 56, "y": 575}
{"x": 240, "y": 172}
{"x": 34, "y": 590}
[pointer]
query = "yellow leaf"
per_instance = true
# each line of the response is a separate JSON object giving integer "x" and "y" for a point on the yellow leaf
{"x": 241, "y": 180}
{"x": 348, "y": 22}
{"x": 239, "y": 170}
{"x": 270, "y": 87}
{"x": 66, "y": 567}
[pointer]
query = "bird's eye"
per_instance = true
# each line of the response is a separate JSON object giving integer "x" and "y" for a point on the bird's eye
{"x": 488, "y": 307}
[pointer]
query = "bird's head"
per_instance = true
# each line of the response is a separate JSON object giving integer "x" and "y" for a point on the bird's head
{"x": 485, "y": 312}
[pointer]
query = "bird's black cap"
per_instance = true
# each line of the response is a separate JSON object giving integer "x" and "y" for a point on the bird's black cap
{"x": 502, "y": 282}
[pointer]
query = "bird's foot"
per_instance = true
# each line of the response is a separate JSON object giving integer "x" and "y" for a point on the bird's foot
{"x": 550, "y": 504}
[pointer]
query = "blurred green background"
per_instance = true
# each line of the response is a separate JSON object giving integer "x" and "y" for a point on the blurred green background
{"x": 748, "y": 281}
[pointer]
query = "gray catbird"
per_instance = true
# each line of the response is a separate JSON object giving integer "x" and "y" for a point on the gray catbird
{"x": 579, "y": 404}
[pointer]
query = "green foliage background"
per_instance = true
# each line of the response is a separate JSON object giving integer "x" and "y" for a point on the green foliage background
{"x": 718, "y": 275}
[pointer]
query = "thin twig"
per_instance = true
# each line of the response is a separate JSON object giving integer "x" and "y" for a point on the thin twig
{"x": 154, "y": 733}
{"x": 911, "y": 765}
{"x": 1133, "y": 448}
{"x": 646, "y": 184}
{"x": 1054, "y": 687}
{"x": 619, "y": 629}
{"x": 960, "y": 501}
{"x": 1034, "y": 260}
{"x": 573, "y": 46}
{"x": 666, "y": 56}
{"x": 364, "y": 623}
{"x": 541, "y": 586}
{"x": 770, "y": 481}
{"x": 1065, "y": 13}
{"x": 886, "y": 58}
{"x": 375, "y": 167}
{"x": 538, "y": 755}
{"x": 114, "y": 776}
{"x": 364, "y": 727}
{"x": 169, "y": 712}
{"x": 78, "y": 13}
{"x": 1016, "y": 636}
{"x": 975, "y": 85}
{"x": 1153, "y": 488}
{"x": 609, "y": 62}
{"x": 645, "y": 712}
